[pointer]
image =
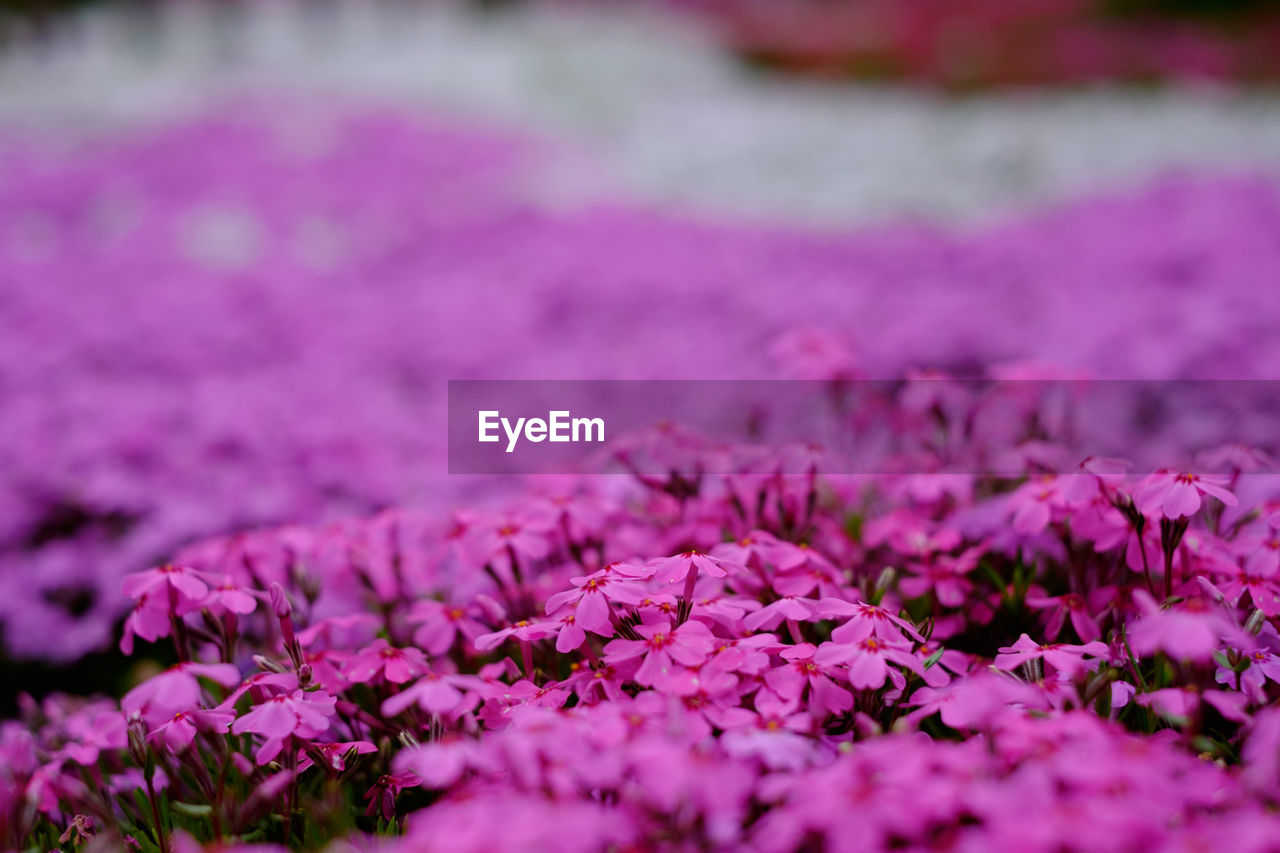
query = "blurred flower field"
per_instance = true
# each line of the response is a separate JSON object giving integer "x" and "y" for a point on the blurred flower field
{"x": 244, "y": 606}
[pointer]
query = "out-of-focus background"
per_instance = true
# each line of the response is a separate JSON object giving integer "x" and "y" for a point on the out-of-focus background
{"x": 244, "y": 244}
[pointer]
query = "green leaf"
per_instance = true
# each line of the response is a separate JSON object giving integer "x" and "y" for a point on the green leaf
{"x": 193, "y": 809}
{"x": 1103, "y": 703}
{"x": 853, "y": 526}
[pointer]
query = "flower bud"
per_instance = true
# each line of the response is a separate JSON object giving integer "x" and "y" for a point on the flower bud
{"x": 268, "y": 665}
{"x": 1256, "y": 620}
{"x": 137, "y": 740}
{"x": 280, "y": 601}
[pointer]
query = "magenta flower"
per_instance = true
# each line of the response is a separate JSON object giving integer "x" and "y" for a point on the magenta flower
{"x": 161, "y": 595}
{"x": 674, "y": 570}
{"x": 1264, "y": 666}
{"x": 175, "y": 690}
{"x": 297, "y": 714}
{"x": 1066, "y": 659}
{"x": 439, "y": 765}
{"x": 1068, "y": 605}
{"x": 381, "y": 660}
{"x": 524, "y": 631}
{"x": 945, "y": 576}
{"x": 1179, "y": 704}
{"x": 751, "y": 551}
{"x": 788, "y": 607}
{"x": 1263, "y": 589}
{"x": 804, "y": 670}
{"x": 150, "y": 619}
{"x": 1264, "y": 555}
{"x": 592, "y": 594}
{"x": 179, "y": 731}
{"x": 228, "y": 596}
{"x": 435, "y": 693}
{"x": 334, "y": 755}
{"x": 801, "y": 569}
{"x": 525, "y": 538}
{"x": 975, "y": 702}
{"x": 440, "y": 623}
{"x": 1189, "y": 631}
{"x": 662, "y": 648}
{"x": 810, "y": 353}
{"x": 866, "y": 620}
{"x": 1035, "y": 503}
{"x": 178, "y": 583}
{"x": 90, "y": 732}
{"x": 382, "y": 796}
{"x": 868, "y": 660}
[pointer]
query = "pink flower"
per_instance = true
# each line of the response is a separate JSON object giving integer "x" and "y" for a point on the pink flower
{"x": 382, "y": 796}
{"x": 524, "y": 631}
{"x": 788, "y": 607}
{"x": 1189, "y": 631}
{"x": 161, "y": 594}
{"x": 868, "y": 660}
{"x": 439, "y": 765}
{"x": 176, "y": 689}
{"x": 150, "y": 619}
{"x": 570, "y": 636}
{"x": 434, "y": 693}
{"x": 180, "y": 730}
{"x": 803, "y": 670}
{"x": 334, "y": 755}
{"x": 909, "y": 534}
{"x": 1063, "y": 606}
{"x": 751, "y": 551}
{"x": 182, "y": 581}
{"x": 1177, "y": 495}
{"x": 865, "y": 620}
{"x": 662, "y": 648}
{"x": 673, "y": 570}
{"x": 380, "y": 659}
{"x": 225, "y": 594}
{"x": 1264, "y": 590}
{"x": 297, "y": 714}
{"x": 593, "y": 594}
{"x": 800, "y": 569}
{"x": 1264, "y": 558}
{"x": 811, "y": 353}
{"x": 525, "y": 538}
{"x": 439, "y": 624}
{"x": 1098, "y": 521}
{"x": 1264, "y": 666}
{"x": 90, "y": 732}
{"x": 1066, "y": 659}
{"x": 1261, "y": 753}
{"x": 1035, "y": 503}
{"x": 945, "y": 576}
{"x": 1236, "y": 456}
{"x": 974, "y": 702}
{"x": 1179, "y": 704}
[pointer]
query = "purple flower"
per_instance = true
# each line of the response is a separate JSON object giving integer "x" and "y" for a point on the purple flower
{"x": 1177, "y": 495}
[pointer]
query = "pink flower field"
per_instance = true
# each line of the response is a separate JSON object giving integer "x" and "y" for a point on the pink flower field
{"x": 245, "y": 606}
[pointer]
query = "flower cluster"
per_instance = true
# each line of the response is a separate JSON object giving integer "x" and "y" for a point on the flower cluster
{"x": 231, "y": 323}
{"x": 744, "y": 660}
